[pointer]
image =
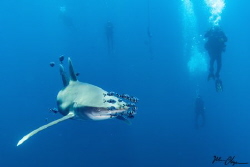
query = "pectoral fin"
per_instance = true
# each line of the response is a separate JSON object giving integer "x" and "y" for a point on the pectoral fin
{"x": 70, "y": 115}
{"x": 123, "y": 119}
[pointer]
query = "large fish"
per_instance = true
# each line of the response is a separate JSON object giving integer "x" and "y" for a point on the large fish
{"x": 83, "y": 101}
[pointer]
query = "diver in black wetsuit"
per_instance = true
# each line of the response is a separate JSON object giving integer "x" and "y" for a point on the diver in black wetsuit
{"x": 199, "y": 111}
{"x": 215, "y": 45}
{"x": 109, "y": 33}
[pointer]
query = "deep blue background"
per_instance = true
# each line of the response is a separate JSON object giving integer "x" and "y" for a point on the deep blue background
{"x": 32, "y": 34}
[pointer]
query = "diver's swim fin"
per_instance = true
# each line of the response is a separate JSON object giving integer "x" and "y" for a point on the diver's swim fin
{"x": 218, "y": 85}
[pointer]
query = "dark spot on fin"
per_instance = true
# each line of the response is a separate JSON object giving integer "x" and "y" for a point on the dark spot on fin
{"x": 71, "y": 71}
{"x": 123, "y": 119}
{"x": 64, "y": 77}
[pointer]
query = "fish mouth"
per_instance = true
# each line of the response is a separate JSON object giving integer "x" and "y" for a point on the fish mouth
{"x": 101, "y": 113}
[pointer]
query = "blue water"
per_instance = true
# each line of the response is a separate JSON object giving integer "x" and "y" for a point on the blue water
{"x": 34, "y": 33}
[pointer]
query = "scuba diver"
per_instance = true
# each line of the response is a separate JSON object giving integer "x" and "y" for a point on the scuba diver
{"x": 215, "y": 45}
{"x": 199, "y": 111}
{"x": 67, "y": 21}
{"x": 109, "y": 33}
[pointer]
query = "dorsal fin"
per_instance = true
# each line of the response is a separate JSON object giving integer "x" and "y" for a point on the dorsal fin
{"x": 71, "y": 71}
{"x": 64, "y": 77}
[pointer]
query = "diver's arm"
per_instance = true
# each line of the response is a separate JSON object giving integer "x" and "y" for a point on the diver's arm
{"x": 224, "y": 37}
